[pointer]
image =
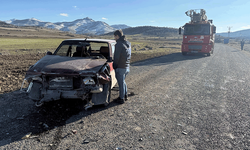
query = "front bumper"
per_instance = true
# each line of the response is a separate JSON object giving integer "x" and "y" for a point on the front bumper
{"x": 37, "y": 92}
{"x": 196, "y": 48}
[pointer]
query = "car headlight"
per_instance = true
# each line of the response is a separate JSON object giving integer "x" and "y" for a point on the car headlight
{"x": 88, "y": 81}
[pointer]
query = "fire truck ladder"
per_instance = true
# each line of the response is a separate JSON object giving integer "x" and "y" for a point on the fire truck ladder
{"x": 197, "y": 15}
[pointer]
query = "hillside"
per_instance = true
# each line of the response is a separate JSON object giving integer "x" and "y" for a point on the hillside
{"x": 8, "y": 30}
{"x": 120, "y": 26}
{"x": 4, "y": 24}
{"x": 237, "y": 34}
{"x": 150, "y": 31}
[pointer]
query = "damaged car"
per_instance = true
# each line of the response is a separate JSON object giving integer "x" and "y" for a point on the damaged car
{"x": 77, "y": 69}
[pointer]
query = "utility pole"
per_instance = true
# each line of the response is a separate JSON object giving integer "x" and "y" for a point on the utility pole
{"x": 229, "y": 28}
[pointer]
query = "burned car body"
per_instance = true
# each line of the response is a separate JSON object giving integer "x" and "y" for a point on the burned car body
{"x": 78, "y": 69}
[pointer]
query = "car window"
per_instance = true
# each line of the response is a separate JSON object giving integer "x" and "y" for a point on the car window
{"x": 63, "y": 50}
{"x": 97, "y": 46}
{"x": 92, "y": 49}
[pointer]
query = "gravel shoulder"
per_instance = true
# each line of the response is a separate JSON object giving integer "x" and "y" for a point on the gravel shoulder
{"x": 180, "y": 102}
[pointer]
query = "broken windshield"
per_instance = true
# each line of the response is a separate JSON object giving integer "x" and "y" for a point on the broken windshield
{"x": 75, "y": 49}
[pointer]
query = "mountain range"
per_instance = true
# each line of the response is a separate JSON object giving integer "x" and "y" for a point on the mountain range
{"x": 150, "y": 31}
{"x": 88, "y": 26}
{"x": 237, "y": 34}
{"x": 79, "y": 26}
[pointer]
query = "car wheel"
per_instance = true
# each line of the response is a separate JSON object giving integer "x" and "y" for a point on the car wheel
{"x": 39, "y": 104}
{"x": 108, "y": 88}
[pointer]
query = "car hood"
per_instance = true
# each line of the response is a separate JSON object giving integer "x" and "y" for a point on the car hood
{"x": 54, "y": 64}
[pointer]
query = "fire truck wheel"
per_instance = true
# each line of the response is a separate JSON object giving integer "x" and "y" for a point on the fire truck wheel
{"x": 208, "y": 54}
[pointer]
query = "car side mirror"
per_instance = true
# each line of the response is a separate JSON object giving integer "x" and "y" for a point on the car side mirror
{"x": 49, "y": 53}
{"x": 180, "y": 31}
{"x": 110, "y": 59}
{"x": 214, "y": 29}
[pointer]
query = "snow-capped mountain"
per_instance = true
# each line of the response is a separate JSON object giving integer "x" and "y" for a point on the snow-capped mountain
{"x": 79, "y": 26}
{"x": 33, "y": 22}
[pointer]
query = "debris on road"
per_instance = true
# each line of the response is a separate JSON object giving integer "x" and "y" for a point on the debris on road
{"x": 27, "y": 136}
{"x": 184, "y": 132}
{"x": 20, "y": 118}
{"x": 45, "y": 126}
{"x": 131, "y": 94}
{"x": 74, "y": 131}
{"x": 86, "y": 141}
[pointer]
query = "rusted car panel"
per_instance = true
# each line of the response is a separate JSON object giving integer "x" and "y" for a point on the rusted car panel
{"x": 88, "y": 76}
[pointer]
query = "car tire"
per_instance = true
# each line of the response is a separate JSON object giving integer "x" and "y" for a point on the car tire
{"x": 39, "y": 104}
{"x": 107, "y": 87}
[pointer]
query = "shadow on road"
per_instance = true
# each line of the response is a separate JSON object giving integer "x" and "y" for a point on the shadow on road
{"x": 19, "y": 116}
{"x": 167, "y": 59}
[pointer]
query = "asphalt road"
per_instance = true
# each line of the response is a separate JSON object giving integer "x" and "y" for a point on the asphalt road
{"x": 180, "y": 102}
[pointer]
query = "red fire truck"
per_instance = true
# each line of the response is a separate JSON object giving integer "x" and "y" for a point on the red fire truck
{"x": 199, "y": 33}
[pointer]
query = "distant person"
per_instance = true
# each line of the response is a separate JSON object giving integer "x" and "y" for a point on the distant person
{"x": 242, "y": 42}
{"x": 121, "y": 64}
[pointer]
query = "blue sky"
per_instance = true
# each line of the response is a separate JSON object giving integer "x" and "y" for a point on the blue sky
{"x": 162, "y": 13}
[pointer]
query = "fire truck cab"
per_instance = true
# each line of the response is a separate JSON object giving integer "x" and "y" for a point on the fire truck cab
{"x": 199, "y": 34}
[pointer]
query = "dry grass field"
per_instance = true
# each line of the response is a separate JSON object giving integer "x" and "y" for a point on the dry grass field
{"x": 236, "y": 44}
{"x": 145, "y": 47}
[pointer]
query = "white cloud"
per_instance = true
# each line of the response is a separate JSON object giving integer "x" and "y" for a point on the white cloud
{"x": 104, "y": 18}
{"x": 75, "y": 7}
{"x": 246, "y": 27}
{"x": 152, "y": 21}
{"x": 64, "y": 14}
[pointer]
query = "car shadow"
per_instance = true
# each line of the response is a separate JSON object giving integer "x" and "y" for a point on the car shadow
{"x": 168, "y": 59}
{"x": 19, "y": 116}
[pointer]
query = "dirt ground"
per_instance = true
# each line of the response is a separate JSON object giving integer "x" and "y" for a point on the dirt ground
{"x": 13, "y": 69}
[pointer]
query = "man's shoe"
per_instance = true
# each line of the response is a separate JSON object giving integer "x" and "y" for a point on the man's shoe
{"x": 119, "y": 100}
{"x": 126, "y": 97}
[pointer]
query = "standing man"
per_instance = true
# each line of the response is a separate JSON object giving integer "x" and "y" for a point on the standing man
{"x": 121, "y": 64}
{"x": 242, "y": 42}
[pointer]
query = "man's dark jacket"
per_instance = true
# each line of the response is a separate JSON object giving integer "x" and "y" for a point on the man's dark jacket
{"x": 122, "y": 54}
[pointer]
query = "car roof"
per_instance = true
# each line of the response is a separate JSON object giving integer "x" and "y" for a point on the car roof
{"x": 93, "y": 40}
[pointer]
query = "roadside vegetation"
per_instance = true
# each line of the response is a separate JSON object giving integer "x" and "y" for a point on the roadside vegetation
{"x": 235, "y": 43}
{"x": 17, "y": 46}
{"x": 146, "y": 47}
